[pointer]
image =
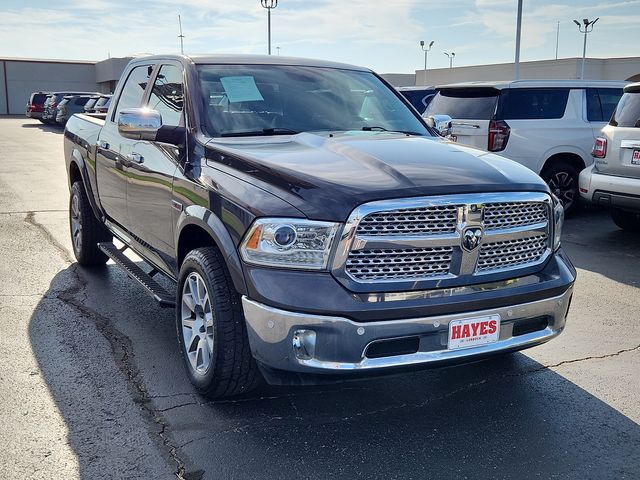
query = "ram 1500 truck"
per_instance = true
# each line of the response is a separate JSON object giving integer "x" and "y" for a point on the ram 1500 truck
{"x": 316, "y": 228}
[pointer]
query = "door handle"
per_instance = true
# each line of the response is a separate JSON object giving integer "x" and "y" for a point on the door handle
{"x": 103, "y": 144}
{"x": 135, "y": 158}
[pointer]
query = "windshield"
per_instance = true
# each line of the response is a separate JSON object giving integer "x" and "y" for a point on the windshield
{"x": 279, "y": 99}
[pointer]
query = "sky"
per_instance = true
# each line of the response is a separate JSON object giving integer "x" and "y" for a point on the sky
{"x": 382, "y": 35}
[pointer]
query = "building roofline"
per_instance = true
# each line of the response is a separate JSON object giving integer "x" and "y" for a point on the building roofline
{"x": 47, "y": 60}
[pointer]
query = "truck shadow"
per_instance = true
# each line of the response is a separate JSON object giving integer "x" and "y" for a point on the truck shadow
{"x": 44, "y": 127}
{"x": 108, "y": 352}
{"x": 595, "y": 243}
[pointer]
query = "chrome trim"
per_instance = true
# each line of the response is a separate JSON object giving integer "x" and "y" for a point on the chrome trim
{"x": 470, "y": 215}
{"x": 339, "y": 344}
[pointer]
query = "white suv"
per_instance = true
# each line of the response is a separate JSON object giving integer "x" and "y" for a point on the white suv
{"x": 546, "y": 125}
{"x": 614, "y": 178}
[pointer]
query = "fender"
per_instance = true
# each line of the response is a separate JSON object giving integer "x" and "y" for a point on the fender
{"x": 78, "y": 159}
{"x": 209, "y": 222}
{"x": 560, "y": 149}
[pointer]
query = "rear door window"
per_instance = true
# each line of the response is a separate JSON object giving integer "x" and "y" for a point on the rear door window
{"x": 465, "y": 103}
{"x": 133, "y": 90}
{"x": 627, "y": 113}
{"x": 601, "y": 102}
{"x": 533, "y": 103}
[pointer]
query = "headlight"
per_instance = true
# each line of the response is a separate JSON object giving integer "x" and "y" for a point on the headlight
{"x": 558, "y": 221}
{"x": 289, "y": 243}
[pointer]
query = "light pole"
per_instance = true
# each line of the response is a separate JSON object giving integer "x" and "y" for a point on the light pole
{"x": 269, "y": 5}
{"x": 181, "y": 36}
{"x": 451, "y": 56}
{"x": 426, "y": 51}
{"x": 588, "y": 28}
{"x": 518, "y": 34}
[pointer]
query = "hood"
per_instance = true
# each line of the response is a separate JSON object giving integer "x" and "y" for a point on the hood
{"x": 326, "y": 175}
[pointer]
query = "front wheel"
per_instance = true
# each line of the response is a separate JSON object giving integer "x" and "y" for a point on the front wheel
{"x": 562, "y": 179}
{"x": 629, "y": 221}
{"x": 86, "y": 230}
{"x": 211, "y": 327}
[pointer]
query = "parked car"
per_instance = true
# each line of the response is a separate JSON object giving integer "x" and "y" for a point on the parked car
{"x": 70, "y": 105}
{"x": 419, "y": 97}
{"x": 613, "y": 180}
{"x": 102, "y": 104}
{"x": 546, "y": 125}
{"x": 309, "y": 247}
{"x": 35, "y": 105}
{"x": 88, "y": 107}
{"x": 51, "y": 105}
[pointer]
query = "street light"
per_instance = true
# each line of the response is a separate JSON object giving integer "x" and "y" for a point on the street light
{"x": 269, "y": 5}
{"x": 588, "y": 28}
{"x": 426, "y": 51}
{"x": 450, "y": 55}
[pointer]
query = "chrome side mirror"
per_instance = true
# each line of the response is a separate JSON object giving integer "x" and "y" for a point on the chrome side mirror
{"x": 139, "y": 123}
{"x": 441, "y": 123}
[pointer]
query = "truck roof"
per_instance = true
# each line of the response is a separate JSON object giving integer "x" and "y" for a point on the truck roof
{"x": 229, "y": 59}
{"x": 501, "y": 84}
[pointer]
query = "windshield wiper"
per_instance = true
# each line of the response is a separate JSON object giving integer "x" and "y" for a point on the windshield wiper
{"x": 376, "y": 128}
{"x": 263, "y": 132}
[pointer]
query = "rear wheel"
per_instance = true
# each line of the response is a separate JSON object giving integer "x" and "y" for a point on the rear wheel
{"x": 629, "y": 221}
{"x": 211, "y": 327}
{"x": 562, "y": 179}
{"x": 86, "y": 230}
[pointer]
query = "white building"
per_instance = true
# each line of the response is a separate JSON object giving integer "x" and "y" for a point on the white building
{"x": 627, "y": 68}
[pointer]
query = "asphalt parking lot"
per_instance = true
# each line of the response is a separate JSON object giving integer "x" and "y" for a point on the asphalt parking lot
{"x": 92, "y": 385}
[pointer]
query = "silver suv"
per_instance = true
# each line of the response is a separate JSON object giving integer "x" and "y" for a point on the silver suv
{"x": 614, "y": 178}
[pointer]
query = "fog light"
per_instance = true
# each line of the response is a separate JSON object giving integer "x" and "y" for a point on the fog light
{"x": 304, "y": 344}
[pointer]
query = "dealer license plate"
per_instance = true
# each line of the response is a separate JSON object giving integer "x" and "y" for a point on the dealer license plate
{"x": 635, "y": 157}
{"x": 472, "y": 332}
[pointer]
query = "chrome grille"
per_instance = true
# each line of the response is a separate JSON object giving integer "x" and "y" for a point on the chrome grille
{"x": 431, "y": 220}
{"x": 511, "y": 253}
{"x": 385, "y": 264}
{"x": 427, "y": 238}
{"x": 514, "y": 214}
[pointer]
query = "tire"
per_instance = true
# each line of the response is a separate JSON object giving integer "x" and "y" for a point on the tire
{"x": 85, "y": 229}
{"x": 211, "y": 328}
{"x": 629, "y": 221}
{"x": 562, "y": 179}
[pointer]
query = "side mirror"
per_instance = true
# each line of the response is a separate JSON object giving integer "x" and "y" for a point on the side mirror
{"x": 441, "y": 123}
{"x": 139, "y": 123}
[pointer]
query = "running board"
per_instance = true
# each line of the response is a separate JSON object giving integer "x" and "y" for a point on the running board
{"x": 152, "y": 287}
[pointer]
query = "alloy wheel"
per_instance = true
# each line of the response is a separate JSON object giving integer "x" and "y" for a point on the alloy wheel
{"x": 76, "y": 223}
{"x": 197, "y": 323}
{"x": 562, "y": 185}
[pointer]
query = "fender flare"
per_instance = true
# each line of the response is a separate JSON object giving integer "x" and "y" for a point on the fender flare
{"x": 78, "y": 159}
{"x": 210, "y": 223}
{"x": 565, "y": 149}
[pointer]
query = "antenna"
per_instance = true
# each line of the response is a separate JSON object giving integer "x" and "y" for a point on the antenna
{"x": 181, "y": 36}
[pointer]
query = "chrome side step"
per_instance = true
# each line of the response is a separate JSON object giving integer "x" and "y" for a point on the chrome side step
{"x": 164, "y": 298}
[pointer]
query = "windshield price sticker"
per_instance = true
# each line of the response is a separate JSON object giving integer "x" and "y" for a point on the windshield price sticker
{"x": 472, "y": 332}
{"x": 241, "y": 89}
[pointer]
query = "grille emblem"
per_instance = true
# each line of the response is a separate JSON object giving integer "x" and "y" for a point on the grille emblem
{"x": 471, "y": 238}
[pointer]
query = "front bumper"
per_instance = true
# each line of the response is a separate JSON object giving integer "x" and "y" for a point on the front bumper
{"x": 314, "y": 344}
{"x": 609, "y": 190}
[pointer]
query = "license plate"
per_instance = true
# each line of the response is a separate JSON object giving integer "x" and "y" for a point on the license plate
{"x": 472, "y": 332}
{"x": 635, "y": 157}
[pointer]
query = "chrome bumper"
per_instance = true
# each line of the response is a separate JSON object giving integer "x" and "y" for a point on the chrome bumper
{"x": 306, "y": 343}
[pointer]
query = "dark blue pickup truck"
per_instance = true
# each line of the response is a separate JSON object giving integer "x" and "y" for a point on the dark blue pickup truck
{"x": 316, "y": 228}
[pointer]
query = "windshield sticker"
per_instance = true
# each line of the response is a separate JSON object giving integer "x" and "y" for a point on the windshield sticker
{"x": 241, "y": 89}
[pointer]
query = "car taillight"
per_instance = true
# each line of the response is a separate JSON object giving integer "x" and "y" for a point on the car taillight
{"x": 599, "y": 148}
{"x": 498, "y": 135}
